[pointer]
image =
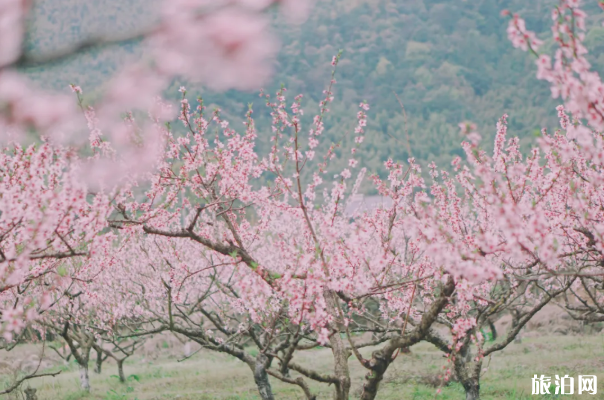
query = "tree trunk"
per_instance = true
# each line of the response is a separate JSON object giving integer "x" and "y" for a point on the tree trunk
{"x": 99, "y": 362}
{"x": 80, "y": 351}
{"x": 379, "y": 365}
{"x": 472, "y": 389}
{"x": 468, "y": 373}
{"x": 261, "y": 378}
{"x": 84, "y": 379}
{"x": 338, "y": 349}
{"x": 120, "y": 370}
{"x": 30, "y": 394}
{"x": 381, "y": 359}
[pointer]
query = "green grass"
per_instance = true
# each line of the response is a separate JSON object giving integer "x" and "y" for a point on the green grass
{"x": 214, "y": 376}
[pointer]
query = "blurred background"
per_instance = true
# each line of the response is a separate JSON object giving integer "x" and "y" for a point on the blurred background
{"x": 448, "y": 60}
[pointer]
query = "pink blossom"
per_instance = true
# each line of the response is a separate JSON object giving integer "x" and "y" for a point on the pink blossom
{"x": 75, "y": 89}
{"x": 520, "y": 36}
{"x": 229, "y": 48}
{"x": 11, "y": 30}
{"x": 55, "y": 115}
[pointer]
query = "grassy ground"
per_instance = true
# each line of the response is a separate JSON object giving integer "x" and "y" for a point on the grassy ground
{"x": 213, "y": 376}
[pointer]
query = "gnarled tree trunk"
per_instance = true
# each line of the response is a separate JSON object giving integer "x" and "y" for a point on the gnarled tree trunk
{"x": 381, "y": 359}
{"x": 468, "y": 371}
{"x": 261, "y": 377}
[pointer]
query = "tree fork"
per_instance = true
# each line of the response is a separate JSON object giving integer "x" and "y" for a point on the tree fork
{"x": 381, "y": 359}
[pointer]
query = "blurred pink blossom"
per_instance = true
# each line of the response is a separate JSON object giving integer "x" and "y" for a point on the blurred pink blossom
{"x": 229, "y": 48}
{"x": 11, "y": 30}
{"x": 53, "y": 115}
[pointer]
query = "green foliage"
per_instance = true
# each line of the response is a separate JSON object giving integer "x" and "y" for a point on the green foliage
{"x": 488, "y": 335}
{"x": 61, "y": 270}
{"x": 448, "y": 60}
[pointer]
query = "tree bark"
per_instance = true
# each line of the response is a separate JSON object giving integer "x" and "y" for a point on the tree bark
{"x": 381, "y": 359}
{"x": 84, "y": 379}
{"x": 99, "y": 361}
{"x": 261, "y": 378}
{"x": 339, "y": 351}
{"x": 515, "y": 323}
{"x": 468, "y": 370}
{"x": 120, "y": 370}
{"x": 472, "y": 388}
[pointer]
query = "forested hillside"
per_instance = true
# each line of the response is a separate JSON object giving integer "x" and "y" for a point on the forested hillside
{"x": 448, "y": 60}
